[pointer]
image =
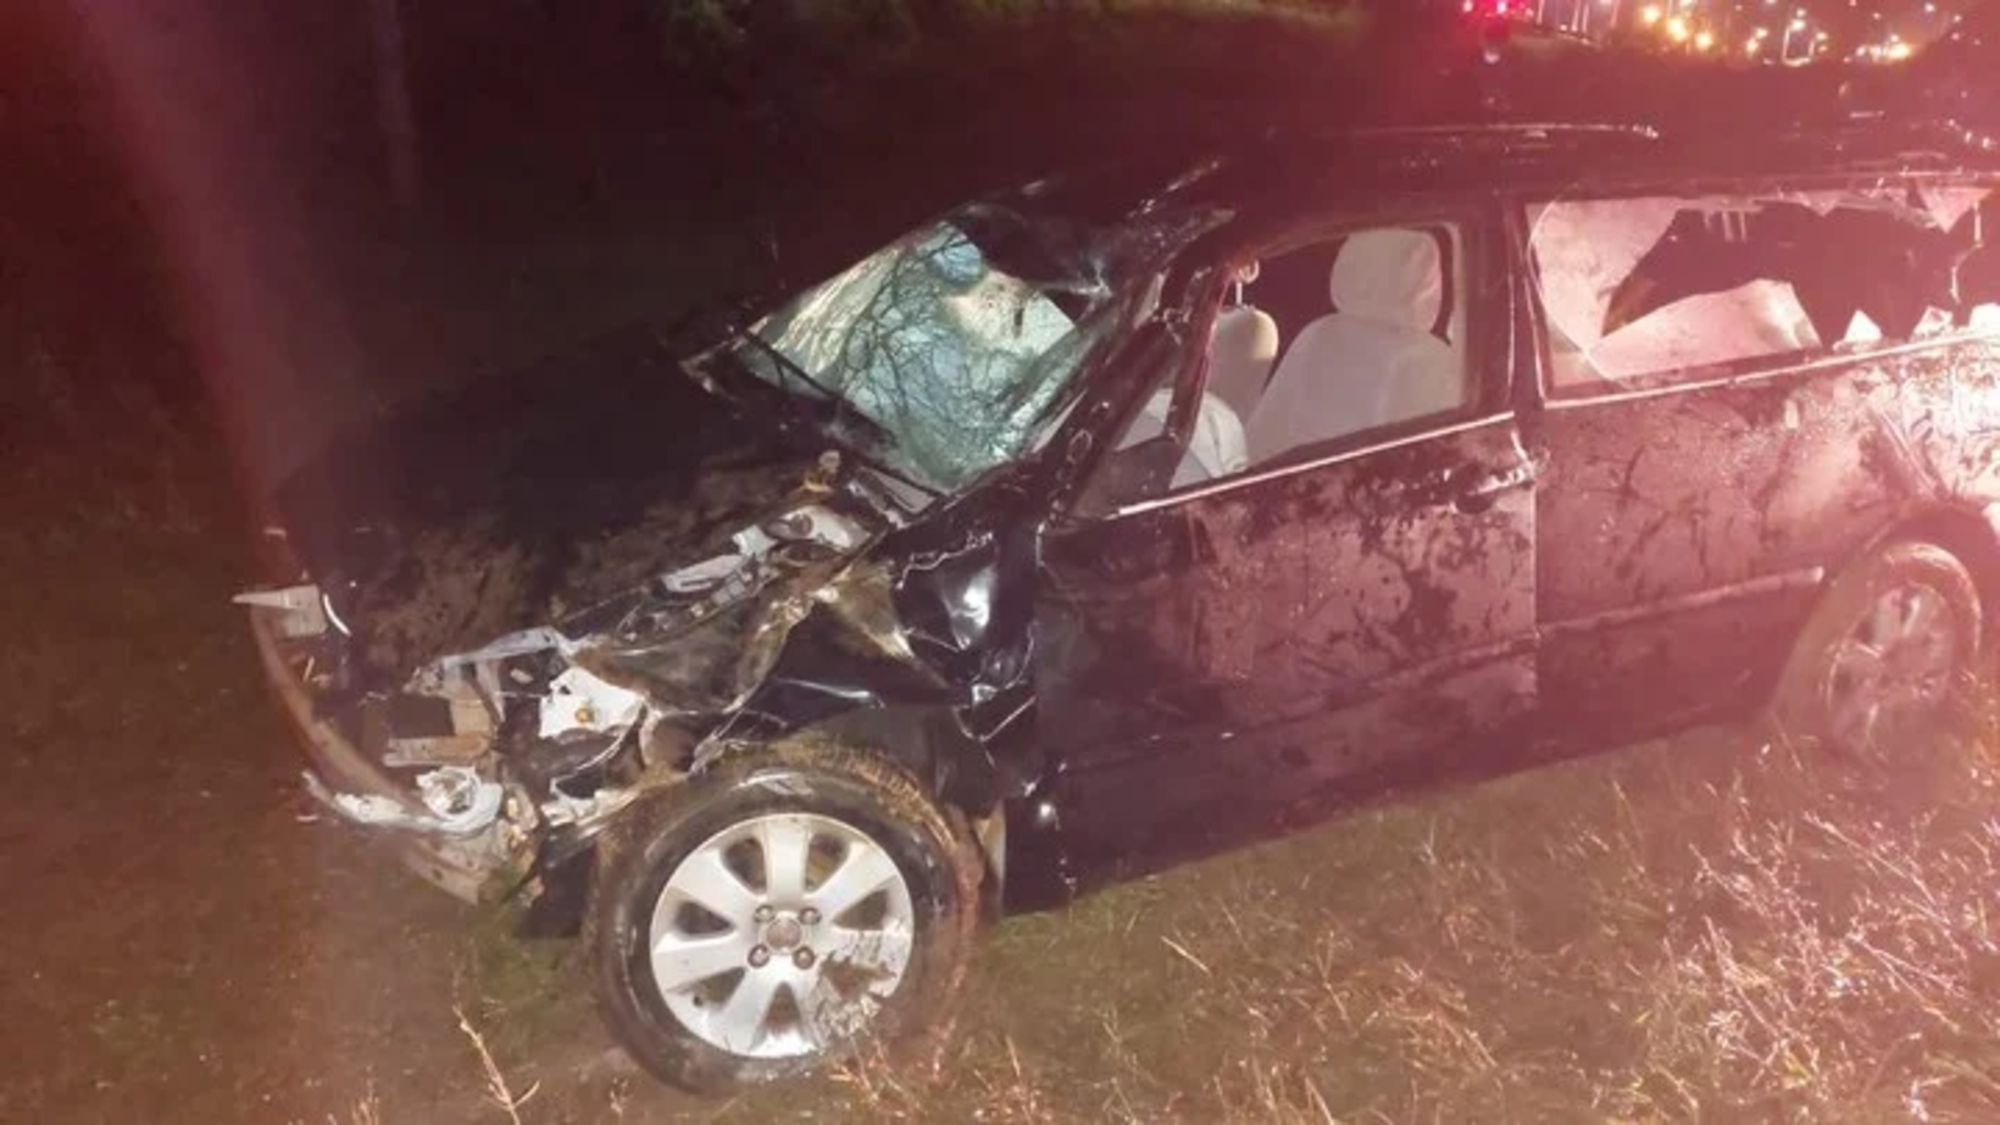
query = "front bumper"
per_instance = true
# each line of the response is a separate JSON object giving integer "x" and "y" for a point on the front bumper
{"x": 460, "y": 865}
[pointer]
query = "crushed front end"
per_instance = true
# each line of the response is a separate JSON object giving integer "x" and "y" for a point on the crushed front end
{"x": 483, "y": 759}
{"x": 527, "y": 605}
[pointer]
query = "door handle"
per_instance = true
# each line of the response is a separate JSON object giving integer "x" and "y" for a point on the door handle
{"x": 1477, "y": 488}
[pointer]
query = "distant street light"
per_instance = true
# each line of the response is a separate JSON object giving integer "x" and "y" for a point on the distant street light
{"x": 1797, "y": 25}
{"x": 1703, "y": 40}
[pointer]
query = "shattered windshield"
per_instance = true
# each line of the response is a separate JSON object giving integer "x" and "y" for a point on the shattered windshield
{"x": 959, "y": 344}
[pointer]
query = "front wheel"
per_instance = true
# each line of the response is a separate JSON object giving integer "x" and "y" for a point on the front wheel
{"x": 1884, "y": 657}
{"x": 776, "y": 912}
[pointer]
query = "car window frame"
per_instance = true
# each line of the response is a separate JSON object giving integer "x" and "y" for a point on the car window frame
{"x": 1490, "y": 359}
{"x": 1518, "y": 207}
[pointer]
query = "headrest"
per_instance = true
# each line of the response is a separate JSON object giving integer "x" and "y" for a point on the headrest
{"x": 1393, "y": 276}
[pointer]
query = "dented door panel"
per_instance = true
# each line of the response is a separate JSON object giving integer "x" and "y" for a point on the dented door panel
{"x": 1117, "y": 658}
{"x": 1307, "y": 628}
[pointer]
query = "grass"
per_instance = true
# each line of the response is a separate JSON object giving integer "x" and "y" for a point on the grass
{"x": 843, "y": 65}
{"x": 527, "y": 996}
{"x": 697, "y": 31}
{"x": 1699, "y": 930}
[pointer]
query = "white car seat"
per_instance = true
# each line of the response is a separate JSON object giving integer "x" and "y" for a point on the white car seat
{"x": 1241, "y": 354}
{"x": 1373, "y": 360}
{"x": 1216, "y": 448}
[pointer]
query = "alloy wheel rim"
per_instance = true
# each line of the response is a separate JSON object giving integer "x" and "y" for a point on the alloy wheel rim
{"x": 1893, "y": 667}
{"x": 781, "y": 935}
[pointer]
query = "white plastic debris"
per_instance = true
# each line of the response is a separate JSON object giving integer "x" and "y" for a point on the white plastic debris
{"x": 460, "y": 803}
{"x": 579, "y": 701}
{"x": 299, "y": 611}
{"x": 703, "y": 575}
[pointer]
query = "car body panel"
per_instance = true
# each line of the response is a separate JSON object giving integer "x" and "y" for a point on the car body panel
{"x": 1701, "y": 523}
{"x": 1283, "y": 634}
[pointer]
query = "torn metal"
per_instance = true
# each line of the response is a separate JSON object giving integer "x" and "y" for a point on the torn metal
{"x": 525, "y": 667}
{"x": 458, "y": 800}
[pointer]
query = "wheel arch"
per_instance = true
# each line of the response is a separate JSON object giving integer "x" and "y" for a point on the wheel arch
{"x": 925, "y": 739}
{"x": 1972, "y": 535}
{"x": 932, "y": 744}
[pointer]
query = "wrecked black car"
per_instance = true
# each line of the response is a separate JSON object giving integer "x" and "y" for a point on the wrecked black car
{"x": 1063, "y": 539}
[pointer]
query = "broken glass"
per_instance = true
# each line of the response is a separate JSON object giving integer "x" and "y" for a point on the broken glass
{"x": 958, "y": 345}
{"x": 1644, "y": 287}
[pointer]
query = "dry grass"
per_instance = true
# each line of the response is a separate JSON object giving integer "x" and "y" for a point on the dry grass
{"x": 1701, "y": 930}
{"x": 498, "y": 1091}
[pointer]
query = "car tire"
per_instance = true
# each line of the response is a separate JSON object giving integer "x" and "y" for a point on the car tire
{"x": 1887, "y": 654}
{"x": 685, "y": 891}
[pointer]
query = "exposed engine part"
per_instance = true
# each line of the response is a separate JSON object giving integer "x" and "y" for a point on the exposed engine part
{"x": 578, "y": 702}
{"x": 450, "y": 725}
{"x": 562, "y": 809}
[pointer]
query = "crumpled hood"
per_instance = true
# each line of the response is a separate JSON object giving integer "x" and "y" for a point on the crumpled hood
{"x": 514, "y": 501}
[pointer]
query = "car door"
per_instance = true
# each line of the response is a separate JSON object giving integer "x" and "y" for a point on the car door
{"x": 1234, "y": 653}
{"x": 1725, "y": 444}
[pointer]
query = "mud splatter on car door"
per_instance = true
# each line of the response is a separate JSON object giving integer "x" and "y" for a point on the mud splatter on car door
{"x": 1730, "y": 409}
{"x": 1239, "y": 653}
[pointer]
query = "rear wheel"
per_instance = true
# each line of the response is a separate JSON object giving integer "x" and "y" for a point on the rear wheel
{"x": 1887, "y": 654}
{"x": 776, "y": 913}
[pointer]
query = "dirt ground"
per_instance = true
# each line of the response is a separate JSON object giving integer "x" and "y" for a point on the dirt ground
{"x": 186, "y": 940}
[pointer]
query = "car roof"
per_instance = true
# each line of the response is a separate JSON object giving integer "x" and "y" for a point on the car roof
{"x": 1574, "y": 115}
{"x": 1503, "y": 156}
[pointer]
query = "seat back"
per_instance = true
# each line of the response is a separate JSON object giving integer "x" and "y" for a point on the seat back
{"x": 1372, "y": 361}
{"x": 1241, "y": 354}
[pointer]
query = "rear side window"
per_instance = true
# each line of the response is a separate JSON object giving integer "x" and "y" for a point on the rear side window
{"x": 1647, "y": 290}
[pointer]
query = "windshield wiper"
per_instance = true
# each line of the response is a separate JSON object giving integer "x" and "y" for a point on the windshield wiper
{"x": 842, "y": 409}
{"x": 875, "y": 433}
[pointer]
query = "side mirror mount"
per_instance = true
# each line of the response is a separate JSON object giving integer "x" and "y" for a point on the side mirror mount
{"x": 1136, "y": 472}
